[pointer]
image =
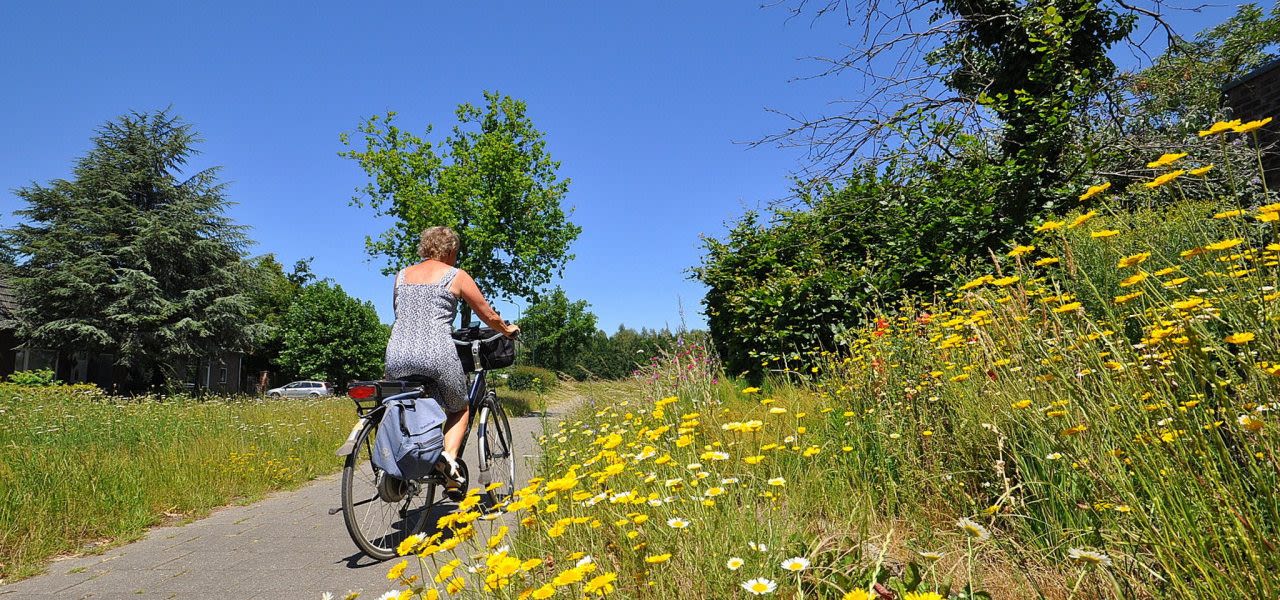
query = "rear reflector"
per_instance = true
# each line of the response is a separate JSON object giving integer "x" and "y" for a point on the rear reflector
{"x": 360, "y": 392}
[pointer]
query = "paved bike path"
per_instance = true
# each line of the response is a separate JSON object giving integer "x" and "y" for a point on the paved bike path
{"x": 285, "y": 546}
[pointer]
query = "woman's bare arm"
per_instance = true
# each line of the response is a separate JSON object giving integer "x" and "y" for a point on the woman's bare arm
{"x": 469, "y": 292}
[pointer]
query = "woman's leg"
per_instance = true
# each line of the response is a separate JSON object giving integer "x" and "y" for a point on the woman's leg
{"x": 455, "y": 429}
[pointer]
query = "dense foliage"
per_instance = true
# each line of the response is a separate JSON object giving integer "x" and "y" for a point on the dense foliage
{"x": 556, "y": 332}
{"x": 797, "y": 277}
{"x": 527, "y": 378}
{"x": 493, "y": 182}
{"x": 132, "y": 256}
{"x": 794, "y": 277}
{"x": 330, "y": 336}
{"x": 621, "y": 354}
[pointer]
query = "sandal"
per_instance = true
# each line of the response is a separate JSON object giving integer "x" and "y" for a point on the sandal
{"x": 453, "y": 479}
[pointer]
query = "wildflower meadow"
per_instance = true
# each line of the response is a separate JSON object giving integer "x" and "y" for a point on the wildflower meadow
{"x": 1093, "y": 417}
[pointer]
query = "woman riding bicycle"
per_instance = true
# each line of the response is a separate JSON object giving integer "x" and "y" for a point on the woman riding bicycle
{"x": 425, "y": 301}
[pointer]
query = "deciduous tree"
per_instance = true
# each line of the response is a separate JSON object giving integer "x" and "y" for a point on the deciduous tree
{"x": 557, "y": 331}
{"x": 492, "y": 181}
{"x": 329, "y": 335}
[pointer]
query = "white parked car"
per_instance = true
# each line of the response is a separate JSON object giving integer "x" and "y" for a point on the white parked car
{"x": 301, "y": 389}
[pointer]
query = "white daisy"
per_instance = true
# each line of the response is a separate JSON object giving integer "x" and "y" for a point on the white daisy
{"x": 796, "y": 564}
{"x": 759, "y": 586}
{"x": 1090, "y": 558}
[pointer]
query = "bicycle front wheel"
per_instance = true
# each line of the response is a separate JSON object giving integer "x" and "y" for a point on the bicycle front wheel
{"x": 497, "y": 455}
{"x": 380, "y": 511}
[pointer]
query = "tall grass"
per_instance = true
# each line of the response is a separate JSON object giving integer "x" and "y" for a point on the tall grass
{"x": 1095, "y": 418}
{"x": 78, "y": 467}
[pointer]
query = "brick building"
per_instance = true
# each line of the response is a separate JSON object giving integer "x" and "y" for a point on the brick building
{"x": 1257, "y": 96}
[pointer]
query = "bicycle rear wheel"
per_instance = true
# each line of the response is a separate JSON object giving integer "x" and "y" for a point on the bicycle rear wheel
{"x": 497, "y": 454}
{"x": 380, "y": 511}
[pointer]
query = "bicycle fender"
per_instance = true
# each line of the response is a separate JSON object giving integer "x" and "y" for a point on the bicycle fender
{"x": 350, "y": 445}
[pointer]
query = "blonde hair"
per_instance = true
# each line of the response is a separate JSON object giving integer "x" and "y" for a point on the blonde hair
{"x": 438, "y": 243}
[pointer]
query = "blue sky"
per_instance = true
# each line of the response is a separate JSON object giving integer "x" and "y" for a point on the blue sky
{"x": 645, "y": 105}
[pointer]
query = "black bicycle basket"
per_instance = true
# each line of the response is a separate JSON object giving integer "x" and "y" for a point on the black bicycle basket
{"x": 492, "y": 349}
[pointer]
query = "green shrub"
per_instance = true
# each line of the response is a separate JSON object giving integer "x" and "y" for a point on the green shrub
{"x": 36, "y": 378}
{"x": 531, "y": 378}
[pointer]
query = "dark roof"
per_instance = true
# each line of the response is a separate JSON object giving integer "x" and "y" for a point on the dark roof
{"x": 8, "y": 302}
{"x": 1241, "y": 80}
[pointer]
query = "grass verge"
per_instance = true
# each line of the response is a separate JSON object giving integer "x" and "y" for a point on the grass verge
{"x": 82, "y": 470}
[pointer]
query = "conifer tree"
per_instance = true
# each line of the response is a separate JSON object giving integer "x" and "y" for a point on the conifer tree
{"x": 132, "y": 256}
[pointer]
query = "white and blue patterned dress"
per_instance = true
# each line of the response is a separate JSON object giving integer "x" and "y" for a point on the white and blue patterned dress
{"x": 420, "y": 345}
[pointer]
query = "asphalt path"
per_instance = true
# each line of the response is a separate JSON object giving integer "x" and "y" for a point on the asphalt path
{"x": 285, "y": 546}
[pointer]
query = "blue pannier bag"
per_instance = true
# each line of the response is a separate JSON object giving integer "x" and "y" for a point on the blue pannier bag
{"x": 410, "y": 438}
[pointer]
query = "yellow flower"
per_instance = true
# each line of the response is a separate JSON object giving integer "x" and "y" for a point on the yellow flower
{"x": 855, "y": 595}
{"x": 1220, "y": 127}
{"x": 1166, "y": 159}
{"x": 1163, "y": 179}
{"x": 1068, "y": 307}
{"x": 923, "y": 596}
{"x": 976, "y": 282}
{"x": 409, "y": 543}
{"x": 1251, "y": 125}
{"x": 1134, "y": 279}
{"x": 750, "y": 390}
{"x": 1044, "y": 262}
{"x": 1189, "y": 303}
{"x": 568, "y": 577}
{"x": 1019, "y": 250}
{"x": 1197, "y": 251}
{"x": 1239, "y": 338}
{"x": 1021, "y": 404}
{"x": 657, "y": 558}
{"x": 753, "y": 460}
{"x": 1250, "y": 422}
{"x": 1267, "y": 217}
{"x": 397, "y": 570}
{"x": 1080, "y": 220}
{"x": 601, "y": 585}
{"x": 1201, "y": 170}
{"x": 455, "y": 585}
{"x": 778, "y": 481}
{"x": 1070, "y": 431}
{"x": 546, "y": 591}
{"x": 1225, "y": 244}
{"x": 1127, "y": 297}
{"x": 1135, "y": 259}
{"x": 1049, "y": 226}
{"x": 1227, "y": 214}
{"x": 1095, "y": 190}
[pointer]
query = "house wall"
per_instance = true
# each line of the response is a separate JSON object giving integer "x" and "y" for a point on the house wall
{"x": 221, "y": 374}
{"x": 8, "y": 353}
{"x": 1257, "y": 96}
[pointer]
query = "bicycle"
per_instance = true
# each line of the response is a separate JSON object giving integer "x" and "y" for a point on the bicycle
{"x": 380, "y": 511}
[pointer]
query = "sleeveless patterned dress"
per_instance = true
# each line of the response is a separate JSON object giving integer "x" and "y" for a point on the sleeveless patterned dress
{"x": 421, "y": 347}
